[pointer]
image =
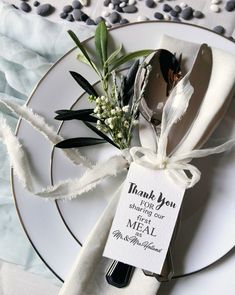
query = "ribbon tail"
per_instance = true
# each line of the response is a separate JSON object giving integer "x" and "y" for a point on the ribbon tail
{"x": 39, "y": 124}
{"x": 205, "y": 152}
{"x": 175, "y": 107}
{"x": 67, "y": 189}
{"x": 17, "y": 155}
{"x": 70, "y": 189}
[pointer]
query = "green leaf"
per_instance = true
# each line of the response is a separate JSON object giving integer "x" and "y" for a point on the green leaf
{"x": 101, "y": 41}
{"x": 84, "y": 83}
{"x": 113, "y": 56}
{"x": 129, "y": 81}
{"x": 79, "y": 142}
{"x": 129, "y": 56}
{"x": 79, "y": 44}
{"x": 83, "y": 115}
{"x": 101, "y": 134}
{"x": 130, "y": 77}
{"x": 82, "y": 58}
{"x": 83, "y": 50}
{"x": 60, "y": 112}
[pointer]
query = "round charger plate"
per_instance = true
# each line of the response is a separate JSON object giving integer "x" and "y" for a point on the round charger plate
{"x": 206, "y": 233}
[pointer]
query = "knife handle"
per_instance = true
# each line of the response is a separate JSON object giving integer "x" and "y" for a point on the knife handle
{"x": 119, "y": 274}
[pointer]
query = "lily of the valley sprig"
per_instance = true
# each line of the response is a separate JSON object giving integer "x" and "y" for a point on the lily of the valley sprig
{"x": 116, "y": 105}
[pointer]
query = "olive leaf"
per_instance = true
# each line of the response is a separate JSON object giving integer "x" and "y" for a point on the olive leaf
{"x": 130, "y": 77}
{"x": 114, "y": 55}
{"x": 82, "y": 58}
{"x": 84, "y": 83}
{"x": 79, "y": 142}
{"x": 128, "y": 88}
{"x": 101, "y": 134}
{"x": 79, "y": 45}
{"x": 83, "y": 50}
{"x": 129, "y": 56}
{"x": 60, "y": 112}
{"x": 101, "y": 41}
{"x": 83, "y": 115}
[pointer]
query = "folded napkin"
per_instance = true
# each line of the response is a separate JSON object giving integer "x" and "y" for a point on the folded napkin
{"x": 88, "y": 273}
{"x": 217, "y": 97}
{"x": 29, "y": 45}
{"x": 87, "y": 276}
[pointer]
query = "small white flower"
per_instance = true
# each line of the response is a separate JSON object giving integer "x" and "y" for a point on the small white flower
{"x": 102, "y": 98}
{"x": 97, "y": 100}
{"x": 119, "y": 135}
{"x": 125, "y": 109}
{"x": 113, "y": 112}
{"x": 111, "y": 126}
{"x": 126, "y": 124}
{"x": 103, "y": 107}
{"x": 105, "y": 114}
{"x": 96, "y": 110}
{"x": 109, "y": 120}
{"x": 118, "y": 109}
{"x": 98, "y": 122}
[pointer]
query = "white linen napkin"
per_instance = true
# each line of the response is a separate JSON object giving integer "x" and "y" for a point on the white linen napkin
{"x": 87, "y": 276}
{"x": 88, "y": 273}
{"x": 219, "y": 93}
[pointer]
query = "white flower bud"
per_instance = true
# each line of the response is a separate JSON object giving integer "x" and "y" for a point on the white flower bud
{"x": 126, "y": 124}
{"x": 119, "y": 135}
{"x": 125, "y": 109}
{"x": 109, "y": 120}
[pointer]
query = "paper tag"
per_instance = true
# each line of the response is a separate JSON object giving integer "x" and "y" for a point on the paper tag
{"x": 145, "y": 219}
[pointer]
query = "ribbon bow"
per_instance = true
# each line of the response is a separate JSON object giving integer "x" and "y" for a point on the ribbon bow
{"x": 174, "y": 167}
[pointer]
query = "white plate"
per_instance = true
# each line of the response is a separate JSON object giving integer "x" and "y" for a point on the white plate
{"x": 207, "y": 230}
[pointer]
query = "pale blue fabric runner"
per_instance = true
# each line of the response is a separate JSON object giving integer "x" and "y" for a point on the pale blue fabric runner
{"x": 29, "y": 45}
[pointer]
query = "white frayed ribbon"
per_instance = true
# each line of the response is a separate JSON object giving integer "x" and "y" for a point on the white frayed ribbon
{"x": 175, "y": 166}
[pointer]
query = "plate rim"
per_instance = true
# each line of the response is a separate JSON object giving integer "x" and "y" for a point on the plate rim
{"x": 30, "y": 98}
